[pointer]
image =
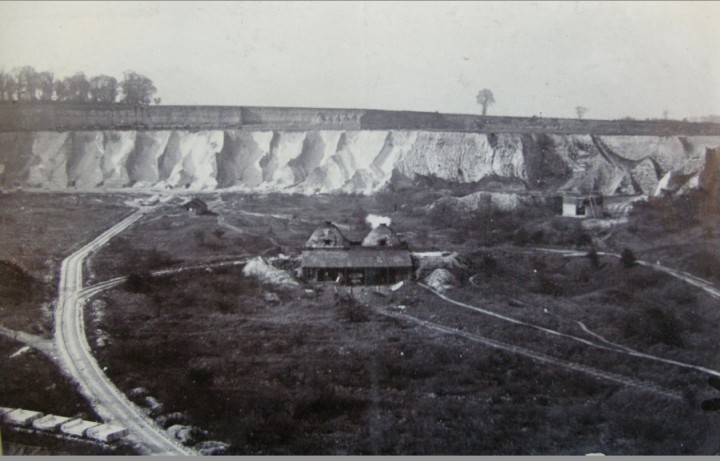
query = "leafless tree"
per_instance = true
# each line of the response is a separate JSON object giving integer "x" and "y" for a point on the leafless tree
{"x": 486, "y": 99}
{"x": 580, "y": 111}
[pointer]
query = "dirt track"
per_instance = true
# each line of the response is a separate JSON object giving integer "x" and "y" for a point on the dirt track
{"x": 77, "y": 359}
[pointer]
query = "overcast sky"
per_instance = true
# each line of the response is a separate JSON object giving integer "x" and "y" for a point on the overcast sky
{"x": 617, "y": 59}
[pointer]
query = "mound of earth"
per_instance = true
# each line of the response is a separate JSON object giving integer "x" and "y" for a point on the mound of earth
{"x": 441, "y": 280}
{"x": 259, "y": 268}
{"x": 427, "y": 262}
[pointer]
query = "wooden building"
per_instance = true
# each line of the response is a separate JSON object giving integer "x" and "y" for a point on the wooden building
{"x": 380, "y": 259}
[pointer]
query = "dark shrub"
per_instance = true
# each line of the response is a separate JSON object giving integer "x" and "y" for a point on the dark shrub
{"x": 594, "y": 258}
{"x": 538, "y": 237}
{"x": 138, "y": 282}
{"x": 666, "y": 327}
{"x": 643, "y": 279}
{"x": 655, "y": 325}
{"x": 489, "y": 265}
{"x": 549, "y": 286}
{"x": 327, "y": 407}
{"x": 201, "y": 377}
{"x": 584, "y": 240}
{"x": 627, "y": 258}
{"x": 352, "y": 311}
{"x": 521, "y": 237}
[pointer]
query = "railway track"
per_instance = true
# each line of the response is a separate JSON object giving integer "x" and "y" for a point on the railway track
{"x": 76, "y": 357}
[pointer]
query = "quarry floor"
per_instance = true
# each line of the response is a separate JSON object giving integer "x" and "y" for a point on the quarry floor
{"x": 316, "y": 373}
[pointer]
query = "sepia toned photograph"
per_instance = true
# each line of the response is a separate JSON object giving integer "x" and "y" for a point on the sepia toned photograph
{"x": 359, "y": 228}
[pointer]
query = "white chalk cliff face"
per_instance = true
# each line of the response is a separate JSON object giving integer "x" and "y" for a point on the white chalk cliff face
{"x": 344, "y": 161}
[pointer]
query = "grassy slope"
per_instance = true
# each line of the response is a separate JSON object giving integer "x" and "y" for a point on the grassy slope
{"x": 38, "y": 231}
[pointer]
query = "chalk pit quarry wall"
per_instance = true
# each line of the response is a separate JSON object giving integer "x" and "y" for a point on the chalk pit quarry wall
{"x": 344, "y": 160}
{"x": 60, "y": 146}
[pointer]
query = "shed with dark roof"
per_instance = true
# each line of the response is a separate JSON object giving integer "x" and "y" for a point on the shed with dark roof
{"x": 196, "y": 207}
{"x": 381, "y": 259}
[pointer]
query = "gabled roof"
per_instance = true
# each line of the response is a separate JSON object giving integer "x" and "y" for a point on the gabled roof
{"x": 358, "y": 257}
{"x": 381, "y": 236}
{"x": 327, "y": 236}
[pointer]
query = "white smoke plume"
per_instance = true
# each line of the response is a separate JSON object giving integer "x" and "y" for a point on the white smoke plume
{"x": 375, "y": 220}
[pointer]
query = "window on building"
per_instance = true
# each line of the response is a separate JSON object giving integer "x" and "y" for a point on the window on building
{"x": 580, "y": 208}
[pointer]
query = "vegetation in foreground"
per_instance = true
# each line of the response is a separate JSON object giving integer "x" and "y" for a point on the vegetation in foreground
{"x": 299, "y": 373}
{"x": 290, "y": 372}
{"x": 31, "y": 381}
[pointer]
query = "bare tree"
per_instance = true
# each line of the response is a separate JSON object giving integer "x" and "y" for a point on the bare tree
{"x": 486, "y": 99}
{"x": 580, "y": 111}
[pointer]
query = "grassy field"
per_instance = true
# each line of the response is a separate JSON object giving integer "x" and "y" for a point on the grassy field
{"x": 316, "y": 373}
{"x": 38, "y": 231}
{"x": 333, "y": 376}
{"x": 284, "y": 371}
{"x": 260, "y": 224}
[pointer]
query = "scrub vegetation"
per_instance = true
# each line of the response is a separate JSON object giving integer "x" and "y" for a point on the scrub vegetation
{"x": 312, "y": 371}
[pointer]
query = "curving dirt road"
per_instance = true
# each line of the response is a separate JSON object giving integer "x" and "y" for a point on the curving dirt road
{"x": 77, "y": 360}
